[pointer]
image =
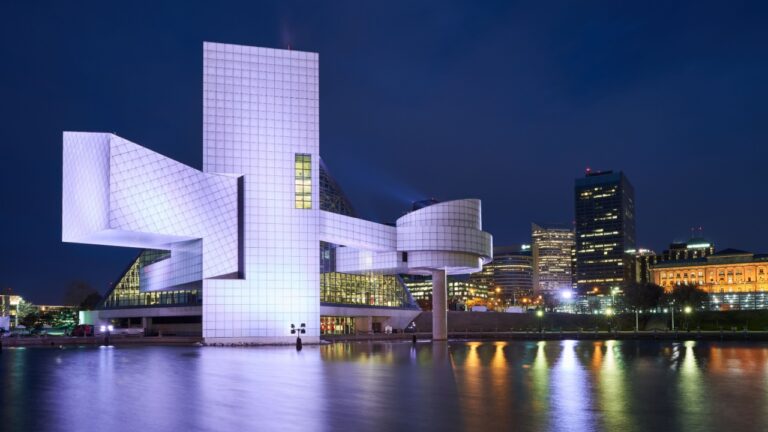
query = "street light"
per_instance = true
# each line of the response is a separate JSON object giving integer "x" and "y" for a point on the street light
{"x": 540, "y": 315}
{"x": 302, "y": 329}
{"x": 614, "y": 291}
{"x": 106, "y": 330}
{"x": 687, "y": 310}
{"x": 609, "y": 313}
{"x": 672, "y": 309}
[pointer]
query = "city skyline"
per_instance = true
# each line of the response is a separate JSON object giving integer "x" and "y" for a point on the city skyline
{"x": 408, "y": 97}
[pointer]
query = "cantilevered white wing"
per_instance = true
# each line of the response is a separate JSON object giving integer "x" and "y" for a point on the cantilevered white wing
{"x": 118, "y": 193}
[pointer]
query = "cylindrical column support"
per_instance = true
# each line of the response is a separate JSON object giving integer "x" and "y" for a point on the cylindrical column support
{"x": 439, "y": 305}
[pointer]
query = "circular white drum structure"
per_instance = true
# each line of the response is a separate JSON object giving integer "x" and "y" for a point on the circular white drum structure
{"x": 446, "y": 236}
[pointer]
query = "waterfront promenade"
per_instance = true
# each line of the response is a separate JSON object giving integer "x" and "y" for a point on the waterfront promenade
{"x": 731, "y": 335}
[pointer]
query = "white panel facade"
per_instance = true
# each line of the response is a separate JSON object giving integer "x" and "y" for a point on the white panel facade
{"x": 354, "y": 232}
{"x": 85, "y": 185}
{"x": 183, "y": 267}
{"x": 351, "y": 260}
{"x": 118, "y": 193}
{"x": 445, "y": 236}
{"x": 260, "y": 110}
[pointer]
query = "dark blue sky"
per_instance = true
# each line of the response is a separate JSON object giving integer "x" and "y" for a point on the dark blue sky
{"x": 506, "y": 102}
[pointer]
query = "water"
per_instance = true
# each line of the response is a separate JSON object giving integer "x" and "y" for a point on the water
{"x": 521, "y": 386}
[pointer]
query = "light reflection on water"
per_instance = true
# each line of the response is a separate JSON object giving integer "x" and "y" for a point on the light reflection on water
{"x": 554, "y": 385}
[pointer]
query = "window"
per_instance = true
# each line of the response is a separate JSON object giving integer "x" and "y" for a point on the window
{"x": 303, "y": 181}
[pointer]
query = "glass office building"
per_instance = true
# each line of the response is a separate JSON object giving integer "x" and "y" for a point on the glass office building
{"x": 511, "y": 271}
{"x": 552, "y": 250}
{"x": 605, "y": 230}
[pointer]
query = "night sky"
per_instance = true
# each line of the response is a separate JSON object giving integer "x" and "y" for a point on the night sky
{"x": 507, "y": 103}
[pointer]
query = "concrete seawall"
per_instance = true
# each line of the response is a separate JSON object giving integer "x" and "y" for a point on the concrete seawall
{"x": 54, "y": 341}
{"x": 660, "y": 322}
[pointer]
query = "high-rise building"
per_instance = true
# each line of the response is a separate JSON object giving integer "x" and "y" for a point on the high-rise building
{"x": 511, "y": 271}
{"x": 640, "y": 262}
{"x": 552, "y": 248}
{"x": 605, "y": 230}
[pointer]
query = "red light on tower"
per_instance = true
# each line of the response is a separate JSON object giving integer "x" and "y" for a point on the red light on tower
{"x": 589, "y": 170}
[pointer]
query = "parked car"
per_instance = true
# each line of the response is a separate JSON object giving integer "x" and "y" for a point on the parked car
{"x": 83, "y": 330}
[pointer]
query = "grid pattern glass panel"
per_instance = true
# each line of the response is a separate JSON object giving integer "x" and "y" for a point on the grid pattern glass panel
{"x": 303, "y": 181}
{"x": 372, "y": 289}
{"x": 127, "y": 292}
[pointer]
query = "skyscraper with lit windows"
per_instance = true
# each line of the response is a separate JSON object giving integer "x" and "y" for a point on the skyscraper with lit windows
{"x": 605, "y": 230}
{"x": 551, "y": 247}
{"x": 511, "y": 272}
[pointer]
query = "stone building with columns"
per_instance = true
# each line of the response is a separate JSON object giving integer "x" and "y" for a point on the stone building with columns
{"x": 734, "y": 279}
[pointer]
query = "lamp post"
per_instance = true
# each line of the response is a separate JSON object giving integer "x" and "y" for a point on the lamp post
{"x": 672, "y": 308}
{"x": 687, "y": 310}
{"x": 609, "y": 314}
{"x": 106, "y": 330}
{"x": 540, "y": 315}
{"x": 302, "y": 329}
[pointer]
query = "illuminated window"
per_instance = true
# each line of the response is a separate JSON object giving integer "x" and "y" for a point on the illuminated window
{"x": 303, "y": 181}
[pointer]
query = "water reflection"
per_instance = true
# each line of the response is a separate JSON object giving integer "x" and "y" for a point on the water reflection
{"x": 555, "y": 385}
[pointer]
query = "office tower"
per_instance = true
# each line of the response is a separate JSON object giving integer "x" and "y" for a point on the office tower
{"x": 511, "y": 272}
{"x": 639, "y": 265}
{"x": 552, "y": 247}
{"x": 605, "y": 230}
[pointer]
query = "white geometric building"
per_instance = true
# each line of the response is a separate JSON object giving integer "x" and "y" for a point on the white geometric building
{"x": 247, "y": 228}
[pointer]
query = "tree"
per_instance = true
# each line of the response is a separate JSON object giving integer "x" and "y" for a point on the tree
{"x": 77, "y": 292}
{"x": 91, "y": 301}
{"x": 550, "y": 302}
{"x": 641, "y": 297}
{"x": 26, "y": 313}
{"x": 688, "y": 295}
